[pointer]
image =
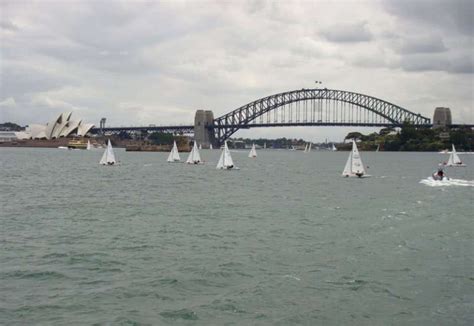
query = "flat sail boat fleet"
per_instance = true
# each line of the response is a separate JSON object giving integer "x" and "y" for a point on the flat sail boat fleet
{"x": 354, "y": 166}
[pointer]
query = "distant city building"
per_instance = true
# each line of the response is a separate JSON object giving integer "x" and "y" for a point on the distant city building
{"x": 62, "y": 126}
{"x": 441, "y": 117}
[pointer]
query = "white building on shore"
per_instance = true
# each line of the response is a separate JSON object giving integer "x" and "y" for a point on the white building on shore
{"x": 62, "y": 126}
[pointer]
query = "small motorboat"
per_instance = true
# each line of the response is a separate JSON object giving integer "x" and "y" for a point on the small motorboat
{"x": 439, "y": 175}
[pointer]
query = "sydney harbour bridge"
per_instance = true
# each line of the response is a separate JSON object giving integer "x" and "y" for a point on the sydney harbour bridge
{"x": 304, "y": 107}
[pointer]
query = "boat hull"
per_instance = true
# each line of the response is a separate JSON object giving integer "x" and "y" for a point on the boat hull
{"x": 356, "y": 176}
{"x": 436, "y": 177}
{"x": 456, "y": 165}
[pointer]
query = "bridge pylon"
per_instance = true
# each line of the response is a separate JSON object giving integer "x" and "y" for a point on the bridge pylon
{"x": 203, "y": 131}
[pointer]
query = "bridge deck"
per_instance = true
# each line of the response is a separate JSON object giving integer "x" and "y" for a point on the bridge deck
{"x": 190, "y": 128}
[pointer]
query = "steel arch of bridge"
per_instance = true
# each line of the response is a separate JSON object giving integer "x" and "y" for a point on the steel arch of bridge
{"x": 383, "y": 113}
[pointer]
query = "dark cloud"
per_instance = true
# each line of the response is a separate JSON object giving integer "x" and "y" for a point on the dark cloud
{"x": 348, "y": 33}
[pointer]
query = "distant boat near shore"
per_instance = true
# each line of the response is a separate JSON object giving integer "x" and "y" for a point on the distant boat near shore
{"x": 253, "y": 152}
{"x": 454, "y": 160}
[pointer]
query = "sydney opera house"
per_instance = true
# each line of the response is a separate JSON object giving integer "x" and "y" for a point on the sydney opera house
{"x": 62, "y": 126}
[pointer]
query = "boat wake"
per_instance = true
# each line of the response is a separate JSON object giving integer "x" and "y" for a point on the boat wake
{"x": 449, "y": 182}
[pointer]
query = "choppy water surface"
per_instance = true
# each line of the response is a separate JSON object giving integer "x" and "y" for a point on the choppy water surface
{"x": 283, "y": 241}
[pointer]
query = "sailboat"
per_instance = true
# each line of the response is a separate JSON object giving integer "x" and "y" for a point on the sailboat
{"x": 200, "y": 146}
{"x": 454, "y": 159}
{"x": 265, "y": 145}
{"x": 378, "y": 148}
{"x": 194, "y": 157}
{"x": 334, "y": 149}
{"x": 307, "y": 148}
{"x": 88, "y": 145}
{"x": 354, "y": 166}
{"x": 108, "y": 158}
{"x": 210, "y": 147}
{"x": 253, "y": 151}
{"x": 225, "y": 161}
{"x": 174, "y": 155}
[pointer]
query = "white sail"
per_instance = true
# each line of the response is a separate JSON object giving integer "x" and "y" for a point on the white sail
{"x": 378, "y": 148}
{"x": 197, "y": 155}
{"x": 174, "y": 154}
{"x": 309, "y": 147}
{"x": 357, "y": 165}
{"x": 334, "y": 148}
{"x": 305, "y": 148}
{"x": 347, "y": 167}
{"x": 194, "y": 157}
{"x": 88, "y": 145}
{"x": 220, "y": 163}
{"x": 210, "y": 147}
{"x": 354, "y": 165}
{"x": 265, "y": 145}
{"x": 253, "y": 151}
{"x": 200, "y": 146}
{"x": 108, "y": 158}
{"x": 225, "y": 161}
{"x": 454, "y": 159}
{"x": 190, "y": 156}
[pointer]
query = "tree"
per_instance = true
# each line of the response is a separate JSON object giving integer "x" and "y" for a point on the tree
{"x": 408, "y": 132}
{"x": 354, "y": 135}
{"x": 161, "y": 138}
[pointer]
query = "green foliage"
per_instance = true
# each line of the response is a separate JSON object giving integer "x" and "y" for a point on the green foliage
{"x": 161, "y": 138}
{"x": 354, "y": 135}
{"x": 411, "y": 138}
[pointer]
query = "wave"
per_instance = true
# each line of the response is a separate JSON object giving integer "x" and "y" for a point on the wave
{"x": 446, "y": 183}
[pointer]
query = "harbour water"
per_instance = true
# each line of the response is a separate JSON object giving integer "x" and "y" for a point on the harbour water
{"x": 283, "y": 241}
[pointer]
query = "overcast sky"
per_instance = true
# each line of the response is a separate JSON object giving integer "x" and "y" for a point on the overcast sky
{"x": 157, "y": 62}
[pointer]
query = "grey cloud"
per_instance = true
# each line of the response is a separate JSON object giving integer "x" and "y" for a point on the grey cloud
{"x": 349, "y": 33}
{"x": 19, "y": 80}
{"x": 443, "y": 14}
{"x": 463, "y": 65}
{"x": 428, "y": 44}
{"x": 8, "y": 25}
{"x": 426, "y": 62}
